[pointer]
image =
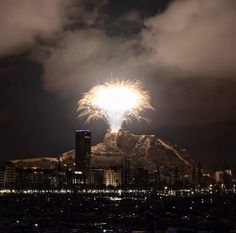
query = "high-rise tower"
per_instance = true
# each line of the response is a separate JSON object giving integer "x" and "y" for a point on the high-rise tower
{"x": 82, "y": 151}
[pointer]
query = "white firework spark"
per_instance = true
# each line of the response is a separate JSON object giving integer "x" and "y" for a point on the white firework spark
{"x": 115, "y": 102}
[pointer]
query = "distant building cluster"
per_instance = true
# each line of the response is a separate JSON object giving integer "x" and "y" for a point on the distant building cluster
{"x": 223, "y": 177}
{"x": 82, "y": 173}
{"x": 13, "y": 177}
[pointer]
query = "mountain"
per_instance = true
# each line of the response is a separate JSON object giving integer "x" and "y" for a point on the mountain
{"x": 147, "y": 151}
{"x": 39, "y": 162}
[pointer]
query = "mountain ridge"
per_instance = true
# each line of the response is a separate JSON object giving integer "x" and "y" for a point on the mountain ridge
{"x": 147, "y": 151}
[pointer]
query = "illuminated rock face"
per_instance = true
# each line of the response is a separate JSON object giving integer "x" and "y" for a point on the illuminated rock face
{"x": 39, "y": 162}
{"x": 147, "y": 151}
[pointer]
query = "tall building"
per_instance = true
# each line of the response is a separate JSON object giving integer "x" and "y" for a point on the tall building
{"x": 7, "y": 175}
{"x": 82, "y": 151}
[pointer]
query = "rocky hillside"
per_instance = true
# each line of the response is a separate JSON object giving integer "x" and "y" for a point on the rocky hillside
{"x": 39, "y": 162}
{"x": 146, "y": 151}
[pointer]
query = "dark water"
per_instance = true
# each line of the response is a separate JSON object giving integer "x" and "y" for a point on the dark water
{"x": 70, "y": 213}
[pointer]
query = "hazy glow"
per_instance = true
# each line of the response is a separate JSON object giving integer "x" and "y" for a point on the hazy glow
{"x": 115, "y": 102}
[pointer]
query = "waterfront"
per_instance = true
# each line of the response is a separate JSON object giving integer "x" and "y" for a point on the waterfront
{"x": 116, "y": 212}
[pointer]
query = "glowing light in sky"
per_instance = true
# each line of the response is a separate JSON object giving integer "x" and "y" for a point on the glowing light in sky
{"x": 115, "y": 102}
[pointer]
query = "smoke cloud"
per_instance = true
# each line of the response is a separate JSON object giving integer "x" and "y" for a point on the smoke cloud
{"x": 85, "y": 57}
{"x": 191, "y": 40}
{"x": 24, "y": 22}
{"x": 197, "y": 36}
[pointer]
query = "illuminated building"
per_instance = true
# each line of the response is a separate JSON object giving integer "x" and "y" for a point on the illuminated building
{"x": 228, "y": 172}
{"x": 218, "y": 175}
{"x": 112, "y": 178}
{"x": 101, "y": 177}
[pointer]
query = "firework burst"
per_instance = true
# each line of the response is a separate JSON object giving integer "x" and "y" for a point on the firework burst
{"x": 115, "y": 102}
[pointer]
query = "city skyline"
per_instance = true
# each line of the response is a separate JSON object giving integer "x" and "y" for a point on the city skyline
{"x": 123, "y": 160}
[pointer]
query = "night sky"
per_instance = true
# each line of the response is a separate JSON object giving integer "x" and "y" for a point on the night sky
{"x": 51, "y": 52}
